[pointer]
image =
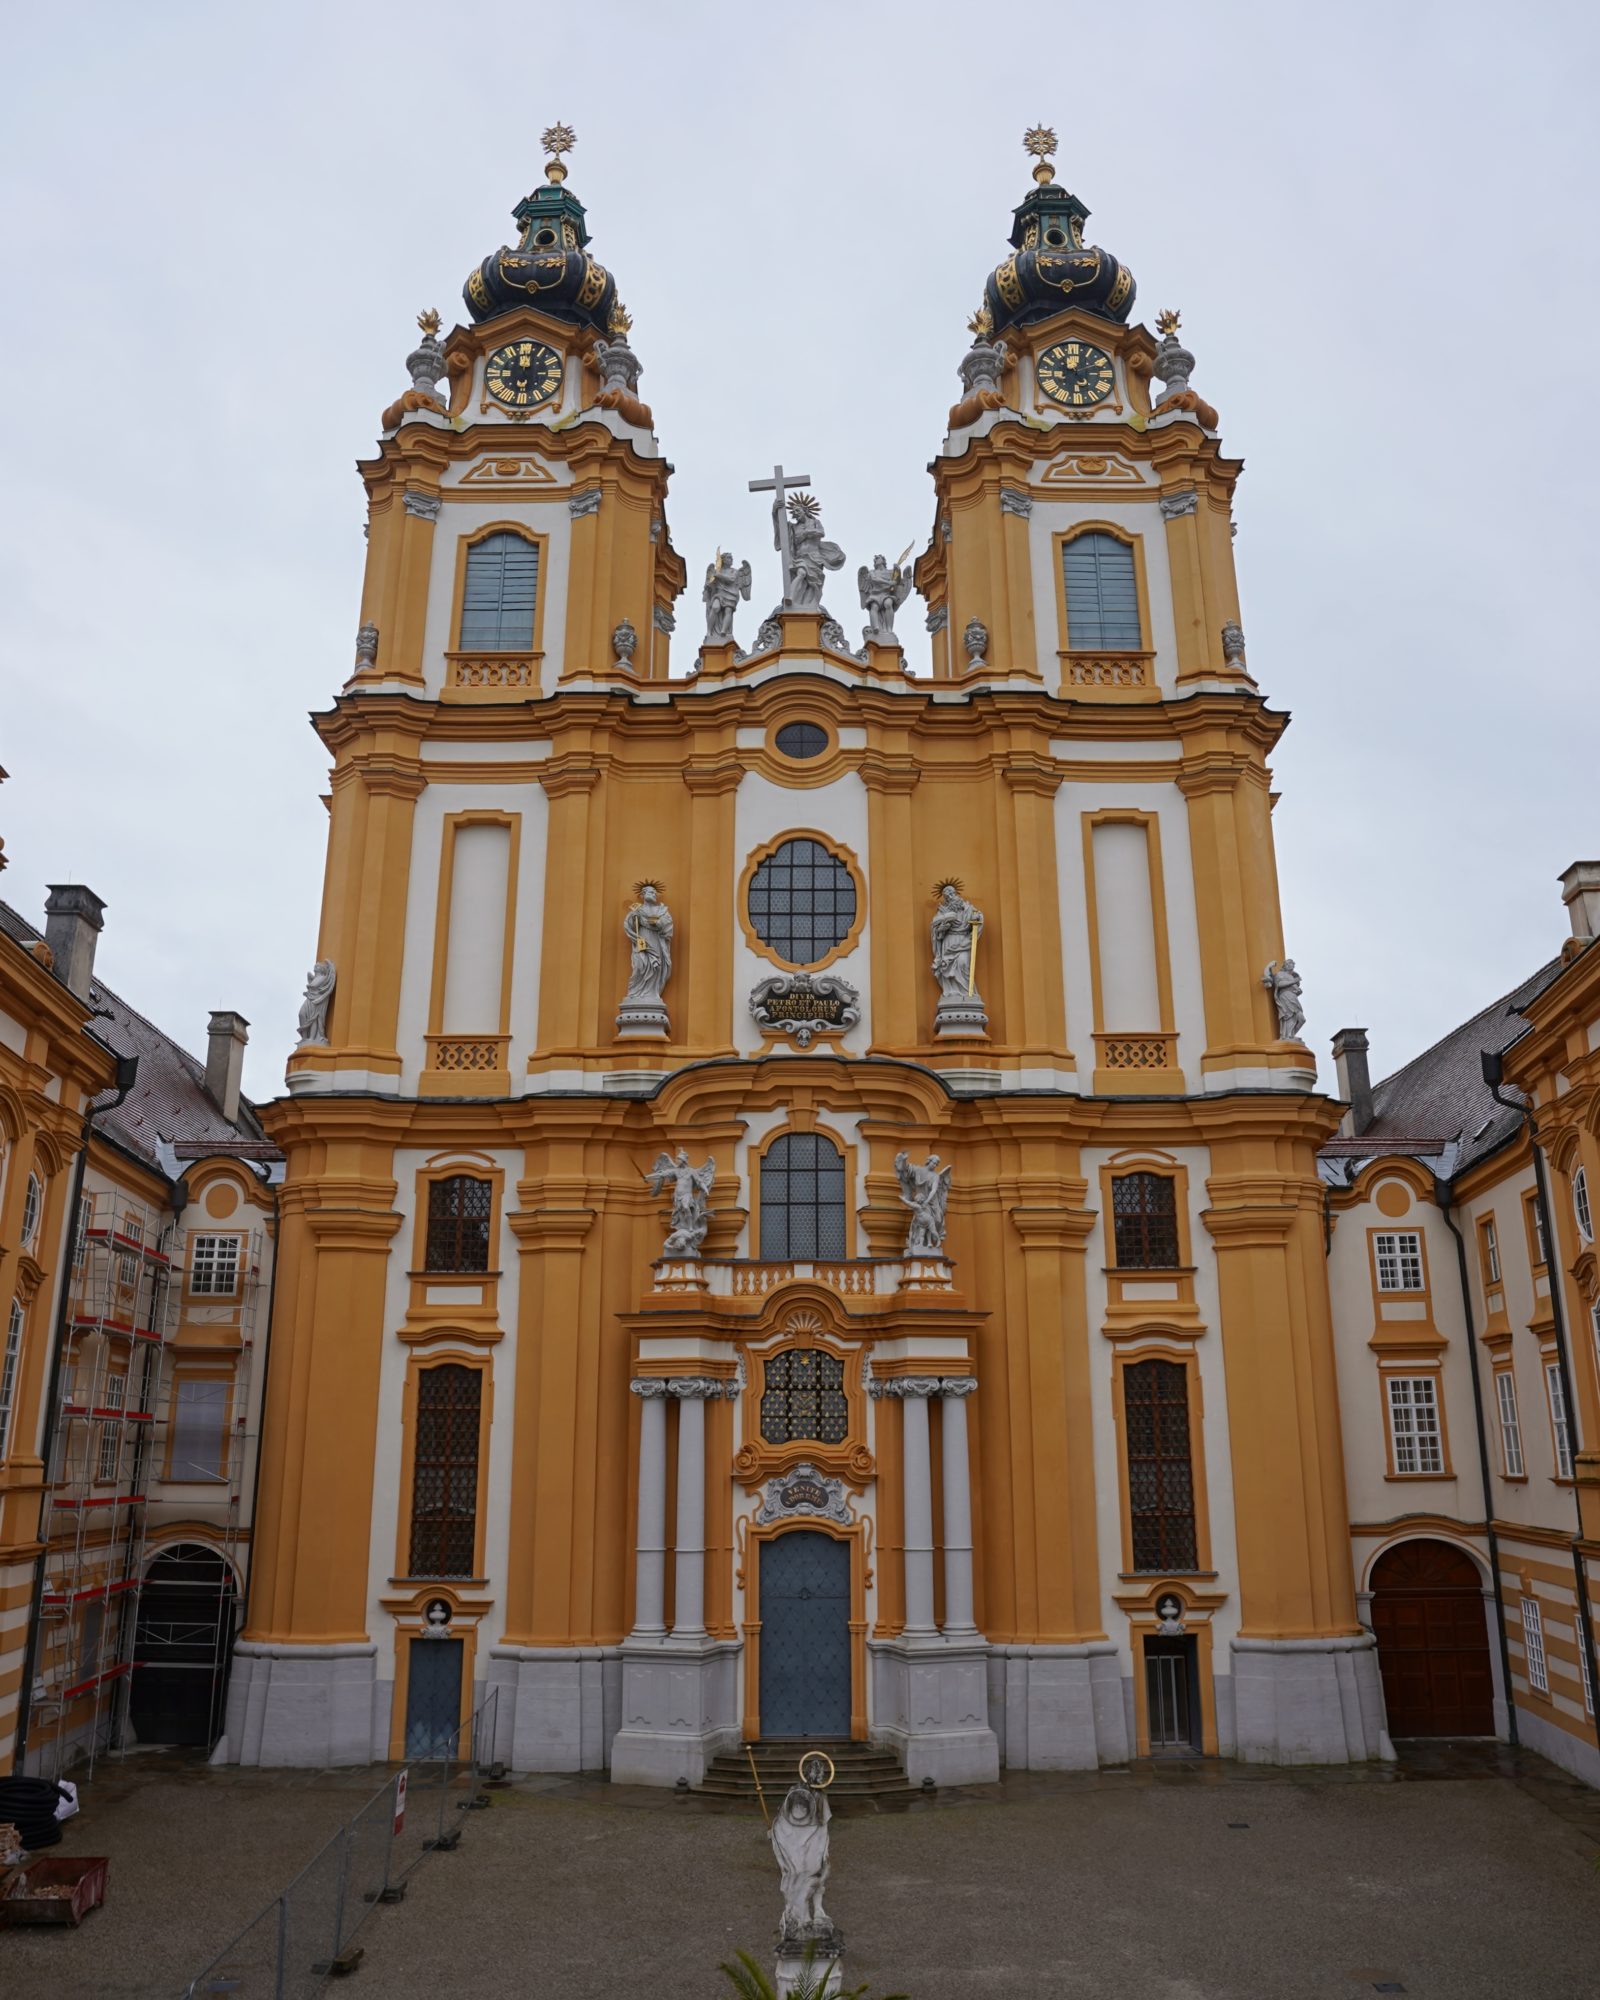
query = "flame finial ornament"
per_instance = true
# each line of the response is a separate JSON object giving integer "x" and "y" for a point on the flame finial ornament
{"x": 556, "y": 140}
{"x": 430, "y": 322}
{"x": 1040, "y": 140}
{"x": 981, "y": 324}
{"x": 620, "y": 324}
{"x": 1167, "y": 320}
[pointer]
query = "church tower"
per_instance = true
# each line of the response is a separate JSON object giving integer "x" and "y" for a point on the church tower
{"x": 801, "y": 1213}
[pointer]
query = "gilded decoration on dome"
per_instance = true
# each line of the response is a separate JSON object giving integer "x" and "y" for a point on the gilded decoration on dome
{"x": 1052, "y": 265}
{"x": 550, "y": 265}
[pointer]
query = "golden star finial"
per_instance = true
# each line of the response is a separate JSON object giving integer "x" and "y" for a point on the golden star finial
{"x": 430, "y": 322}
{"x": 556, "y": 140}
{"x": 1167, "y": 320}
{"x": 1040, "y": 140}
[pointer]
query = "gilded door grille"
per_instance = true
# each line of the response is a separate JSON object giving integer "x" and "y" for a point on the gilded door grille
{"x": 458, "y": 1223}
{"x": 1155, "y": 1398}
{"x": 803, "y": 1397}
{"x": 444, "y": 1495}
{"x": 1145, "y": 1215}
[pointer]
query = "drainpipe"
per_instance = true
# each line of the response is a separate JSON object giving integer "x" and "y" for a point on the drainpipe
{"x": 1493, "y": 1071}
{"x": 1444, "y": 1195}
{"x": 127, "y": 1075}
{"x": 261, "y": 1414}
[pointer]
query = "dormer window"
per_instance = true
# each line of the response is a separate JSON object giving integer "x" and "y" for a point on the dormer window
{"x": 500, "y": 595}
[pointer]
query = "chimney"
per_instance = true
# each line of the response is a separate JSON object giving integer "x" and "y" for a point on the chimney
{"x": 1355, "y": 1084}
{"x": 225, "y": 1043}
{"x": 1580, "y": 891}
{"x": 73, "y": 919}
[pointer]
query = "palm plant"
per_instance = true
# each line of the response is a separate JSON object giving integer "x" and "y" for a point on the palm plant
{"x": 750, "y": 1982}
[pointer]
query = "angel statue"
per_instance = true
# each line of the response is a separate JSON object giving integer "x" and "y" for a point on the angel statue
{"x": 884, "y": 588}
{"x": 691, "y": 1190}
{"x": 314, "y": 1007}
{"x": 725, "y": 585}
{"x": 799, "y": 1837}
{"x": 809, "y": 555}
{"x": 1283, "y": 983}
{"x": 925, "y": 1190}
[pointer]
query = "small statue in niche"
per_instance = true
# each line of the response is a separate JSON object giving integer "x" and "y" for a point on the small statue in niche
{"x": 691, "y": 1201}
{"x": 1283, "y": 983}
{"x": 954, "y": 931}
{"x": 648, "y": 929}
{"x": 314, "y": 1007}
{"x": 884, "y": 587}
{"x": 724, "y": 587}
{"x": 925, "y": 1190}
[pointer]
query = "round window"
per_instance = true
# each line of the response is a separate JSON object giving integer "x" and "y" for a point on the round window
{"x": 802, "y": 901}
{"x": 801, "y": 739}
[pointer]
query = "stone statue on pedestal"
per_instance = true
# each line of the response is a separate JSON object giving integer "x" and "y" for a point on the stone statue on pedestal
{"x": 314, "y": 1007}
{"x": 1283, "y": 983}
{"x": 884, "y": 588}
{"x": 648, "y": 929}
{"x": 691, "y": 1201}
{"x": 955, "y": 930}
{"x": 725, "y": 586}
{"x": 925, "y": 1190}
{"x": 799, "y": 1837}
{"x": 810, "y": 557}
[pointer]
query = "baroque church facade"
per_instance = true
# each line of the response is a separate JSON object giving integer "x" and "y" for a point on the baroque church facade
{"x": 801, "y": 1212}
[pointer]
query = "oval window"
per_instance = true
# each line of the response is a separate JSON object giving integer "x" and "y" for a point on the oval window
{"x": 801, "y": 739}
{"x": 802, "y": 901}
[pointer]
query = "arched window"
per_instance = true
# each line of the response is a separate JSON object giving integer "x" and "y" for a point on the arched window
{"x": 1580, "y": 1204}
{"x": 1155, "y": 1399}
{"x": 802, "y": 901}
{"x": 32, "y": 1202}
{"x": 10, "y": 1363}
{"x": 444, "y": 1477}
{"x": 458, "y": 1223}
{"x": 1102, "y": 594}
{"x": 802, "y": 1197}
{"x": 1144, "y": 1209}
{"x": 502, "y": 589}
{"x": 802, "y": 1396}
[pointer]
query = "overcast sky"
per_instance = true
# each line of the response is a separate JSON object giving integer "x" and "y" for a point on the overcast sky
{"x": 1378, "y": 220}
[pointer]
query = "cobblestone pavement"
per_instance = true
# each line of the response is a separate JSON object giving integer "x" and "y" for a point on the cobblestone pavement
{"x": 1468, "y": 1871}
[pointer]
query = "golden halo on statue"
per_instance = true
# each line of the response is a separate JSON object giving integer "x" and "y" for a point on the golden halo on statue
{"x": 812, "y": 1766}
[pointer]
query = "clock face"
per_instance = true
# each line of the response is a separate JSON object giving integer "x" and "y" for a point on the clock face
{"x": 523, "y": 374}
{"x": 1075, "y": 373}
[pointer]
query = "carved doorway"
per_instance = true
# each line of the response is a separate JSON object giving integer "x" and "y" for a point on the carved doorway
{"x": 805, "y": 1635}
{"x": 1433, "y": 1641}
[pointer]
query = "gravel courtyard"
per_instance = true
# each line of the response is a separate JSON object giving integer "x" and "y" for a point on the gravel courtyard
{"x": 1468, "y": 1872}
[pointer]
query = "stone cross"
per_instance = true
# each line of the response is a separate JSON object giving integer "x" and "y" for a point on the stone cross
{"x": 782, "y": 484}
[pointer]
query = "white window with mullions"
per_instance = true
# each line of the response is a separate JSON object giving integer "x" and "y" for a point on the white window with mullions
{"x": 1560, "y": 1431}
{"x": 1533, "y": 1645}
{"x": 1398, "y": 1253}
{"x": 10, "y": 1364}
{"x": 1505, "y": 1390}
{"x": 1580, "y": 1204}
{"x": 1583, "y": 1669}
{"x": 1102, "y": 591}
{"x": 32, "y": 1202}
{"x": 214, "y": 1266}
{"x": 1415, "y": 1438}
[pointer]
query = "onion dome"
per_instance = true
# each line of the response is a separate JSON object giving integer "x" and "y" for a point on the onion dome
{"x": 1051, "y": 268}
{"x": 550, "y": 267}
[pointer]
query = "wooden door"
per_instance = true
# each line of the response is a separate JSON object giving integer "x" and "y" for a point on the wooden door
{"x": 1433, "y": 1641}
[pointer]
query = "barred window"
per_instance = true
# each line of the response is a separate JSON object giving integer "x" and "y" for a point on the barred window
{"x": 802, "y": 901}
{"x": 444, "y": 1479}
{"x": 1102, "y": 594}
{"x": 458, "y": 1223}
{"x": 1559, "y": 1428}
{"x": 1414, "y": 1423}
{"x": 802, "y": 1197}
{"x": 1155, "y": 1400}
{"x": 1144, "y": 1210}
{"x": 214, "y": 1266}
{"x": 1399, "y": 1256}
{"x": 802, "y": 1396}
{"x": 1505, "y": 1389}
{"x": 500, "y": 594}
{"x": 9, "y": 1366}
{"x": 1533, "y": 1644}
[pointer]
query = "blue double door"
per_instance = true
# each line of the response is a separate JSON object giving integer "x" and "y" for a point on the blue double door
{"x": 805, "y": 1635}
{"x": 433, "y": 1696}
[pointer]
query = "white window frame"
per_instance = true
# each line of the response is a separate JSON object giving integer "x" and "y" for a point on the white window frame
{"x": 206, "y": 1264}
{"x": 108, "y": 1462}
{"x": 10, "y": 1369}
{"x": 1491, "y": 1243}
{"x": 1541, "y": 1248}
{"x": 128, "y": 1260}
{"x": 1594, "y": 1328}
{"x": 80, "y": 1247}
{"x": 1533, "y": 1645}
{"x": 1394, "y": 1262}
{"x": 1583, "y": 1666}
{"x": 1560, "y": 1429}
{"x": 1580, "y": 1204}
{"x": 1416, "y": 1432}
{"x": 1511, "y": 1458}
{"x": 32, "y": 1208}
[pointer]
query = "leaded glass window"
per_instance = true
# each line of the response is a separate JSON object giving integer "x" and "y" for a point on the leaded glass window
{"x": 444, "y": 1479}
{"x": 802, "y": 1197}
{"x": 1144, "y": 1210}
{"x": 1102, "y": 594}
{"x": 802, "y": 901}
{"x": 458, "y": 1223}
{"x": 499, "y": 595}
{"x": 1155, "y": 1399}
{"x": 803, "y": 1397}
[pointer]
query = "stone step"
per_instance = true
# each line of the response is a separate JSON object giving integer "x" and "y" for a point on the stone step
{"x": 866, "y": 1778}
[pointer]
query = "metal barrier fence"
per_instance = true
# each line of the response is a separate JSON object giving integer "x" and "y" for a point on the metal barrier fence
{"x": 306, "y": 1934}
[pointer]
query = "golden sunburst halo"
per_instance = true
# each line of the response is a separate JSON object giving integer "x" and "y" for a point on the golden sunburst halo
{"x": 556, "y": 140}
{"x": 1040, "y": 140}
{"x": 949, "y": 882}
{"x": 648, "y": 883}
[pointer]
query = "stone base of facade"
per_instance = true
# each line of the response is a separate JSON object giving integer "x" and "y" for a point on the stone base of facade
{"x": 1576, "y": 1754}
{"x": 1308, "y": 1701}
{"x": 680, "y": 1708}
{"x": 557, "y": 1707}
{"x": 302, "y": 1705}
{"x": 1059, "y": 1708}
{"x": 931, "y": 1707}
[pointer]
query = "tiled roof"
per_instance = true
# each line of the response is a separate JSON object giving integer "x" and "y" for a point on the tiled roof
{"x": 168, "y": 1115}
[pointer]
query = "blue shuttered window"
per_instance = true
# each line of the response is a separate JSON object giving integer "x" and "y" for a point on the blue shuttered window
{"x": 502, "y": 588}
{"x": 1102, "y": 595}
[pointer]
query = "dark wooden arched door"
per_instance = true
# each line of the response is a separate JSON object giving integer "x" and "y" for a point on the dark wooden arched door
{"x": 1433, "y": 1641}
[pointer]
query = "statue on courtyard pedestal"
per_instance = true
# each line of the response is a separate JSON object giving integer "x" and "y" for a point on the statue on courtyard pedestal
{"x": 799, "y": 1837}
{"x": 691, "y": 1201}
{"x": 725, "y": 586}
{"x": 884, "y": 587}
{"x": 648, "y": 929}
{"x": 1283, "y": 983}
{"x": 314, "y": 1007}
{"x": 925, "y": 1190}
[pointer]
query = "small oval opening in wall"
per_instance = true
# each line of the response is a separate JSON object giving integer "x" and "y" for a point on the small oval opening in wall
{"x": 801, "y": 739}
